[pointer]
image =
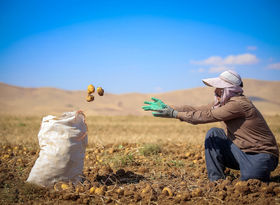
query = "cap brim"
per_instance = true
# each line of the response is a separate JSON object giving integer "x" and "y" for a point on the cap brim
{"x": 216, "y": 83}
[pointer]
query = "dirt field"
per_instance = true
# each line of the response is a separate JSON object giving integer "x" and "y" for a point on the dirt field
{"x": 129, "y": 160}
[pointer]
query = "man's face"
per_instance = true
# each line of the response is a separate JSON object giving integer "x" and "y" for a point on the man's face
{"x": 219, "y": 93}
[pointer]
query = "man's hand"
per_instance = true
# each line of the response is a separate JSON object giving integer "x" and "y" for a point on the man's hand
{"x": 167, "y": 112}
{"x": 154, "y": 106}
{"x": 162, "y": 110}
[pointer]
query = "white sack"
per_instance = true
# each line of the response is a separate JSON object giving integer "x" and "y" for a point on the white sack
{"x": 62, "y": 141}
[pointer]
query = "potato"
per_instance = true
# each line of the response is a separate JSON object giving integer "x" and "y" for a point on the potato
{"x": 100, "y": 91}
{"x": 90, "y": 98}
{"x": 64, "y": 186}
{"x": 167, "y": 191}
{"x": 99, "y": 191}
{"x": 92, "y": 190}
{"x": 91, "y": 89}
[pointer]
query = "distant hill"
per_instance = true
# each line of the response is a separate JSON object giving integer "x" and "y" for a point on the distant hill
{"x": 43, "y": 101}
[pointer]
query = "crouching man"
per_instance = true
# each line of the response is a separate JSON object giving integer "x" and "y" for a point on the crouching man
{"x": 248, "y": 146}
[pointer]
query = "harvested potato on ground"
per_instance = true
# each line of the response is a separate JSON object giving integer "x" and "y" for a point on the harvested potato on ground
{"x": 100, "y": 91}
{"x": 167, "y": 191}
{"x": 197, "y": 192}
{"x": 61, "y": 186}
{"x": 91, "y": 89}
{"x": 92, "y": 190}
{"x": 99, "y": 191}
{"x": 65, "y": 186}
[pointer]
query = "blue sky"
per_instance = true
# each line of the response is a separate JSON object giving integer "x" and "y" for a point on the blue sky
{"x": 136, "y": 46}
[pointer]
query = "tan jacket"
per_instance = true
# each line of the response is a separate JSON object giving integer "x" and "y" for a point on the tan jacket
{"x": 245, "y": 125}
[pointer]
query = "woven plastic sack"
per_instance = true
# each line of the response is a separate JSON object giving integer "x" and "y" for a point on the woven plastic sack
{"x": 62, "y": 141}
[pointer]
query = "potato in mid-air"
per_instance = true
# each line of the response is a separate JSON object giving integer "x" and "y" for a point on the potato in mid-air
{"x": 100, "y": 91}
{"x": 90, "y": 98}
{"x": 91, "y": 89}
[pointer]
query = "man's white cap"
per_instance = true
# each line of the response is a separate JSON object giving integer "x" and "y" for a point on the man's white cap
{"x": 226, "y": 79}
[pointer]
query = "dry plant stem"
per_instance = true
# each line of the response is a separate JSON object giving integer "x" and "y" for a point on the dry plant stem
{"x": 218, "y": 199}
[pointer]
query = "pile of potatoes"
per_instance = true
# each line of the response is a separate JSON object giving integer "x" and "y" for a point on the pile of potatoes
{"x": 91, "y": 90}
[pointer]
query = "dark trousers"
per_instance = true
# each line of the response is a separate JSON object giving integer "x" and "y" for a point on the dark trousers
{"x": 220, "y": 153}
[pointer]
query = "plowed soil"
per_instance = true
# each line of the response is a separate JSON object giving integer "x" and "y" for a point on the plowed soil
{"x": 130, "y": 173}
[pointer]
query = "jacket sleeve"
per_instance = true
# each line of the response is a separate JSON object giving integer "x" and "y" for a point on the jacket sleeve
{"x": 187, "y": 108}
{"x": 231, "y": 110}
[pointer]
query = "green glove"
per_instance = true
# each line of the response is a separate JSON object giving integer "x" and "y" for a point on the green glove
{"x": 167, "y": 112}
{"x": 154, "y": 106}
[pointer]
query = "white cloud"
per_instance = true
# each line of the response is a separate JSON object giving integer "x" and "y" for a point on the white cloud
{"x": 218, "y": 69}
{"x": 242, "y": 59}
{"x": 274, "y": 66}
{"x": 213, "y": 60}
{"x": 252, "y": 48}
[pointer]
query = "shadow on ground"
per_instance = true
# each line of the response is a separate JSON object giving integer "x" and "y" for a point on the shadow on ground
{"x": 120, "y": 177}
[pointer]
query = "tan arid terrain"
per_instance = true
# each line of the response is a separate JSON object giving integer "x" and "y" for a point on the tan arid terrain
{"x": 44, "y": 101}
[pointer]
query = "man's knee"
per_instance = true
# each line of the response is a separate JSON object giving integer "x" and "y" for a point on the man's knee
{"x": 215, "y": 137}
{"x": 215, "y": 132}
